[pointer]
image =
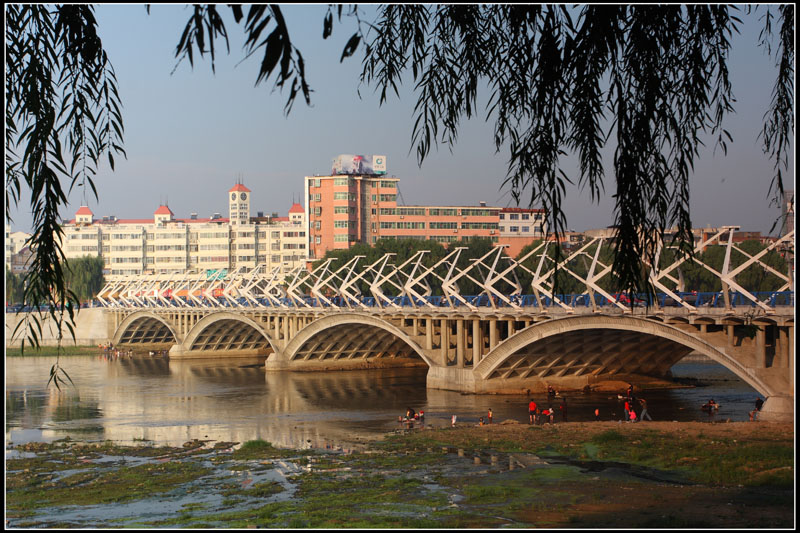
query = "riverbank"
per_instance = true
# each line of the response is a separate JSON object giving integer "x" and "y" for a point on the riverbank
{"x": 51, "y": 351}
{"x": 572, "y": 475}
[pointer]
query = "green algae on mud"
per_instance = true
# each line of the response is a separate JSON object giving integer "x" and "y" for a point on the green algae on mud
{"x": 569, "y": 476}
{"x": 104, "y": 485}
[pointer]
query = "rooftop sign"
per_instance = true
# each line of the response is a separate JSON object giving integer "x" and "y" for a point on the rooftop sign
{"x": 359, "y": 164}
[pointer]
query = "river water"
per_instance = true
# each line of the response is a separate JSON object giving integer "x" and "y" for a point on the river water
{"x": 154, "y": 399}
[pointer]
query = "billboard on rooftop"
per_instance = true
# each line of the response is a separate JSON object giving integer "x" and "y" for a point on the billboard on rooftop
{"x": 359, "y": 164}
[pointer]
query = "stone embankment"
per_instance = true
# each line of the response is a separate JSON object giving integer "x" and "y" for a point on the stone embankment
{"x": 92, "y": 327}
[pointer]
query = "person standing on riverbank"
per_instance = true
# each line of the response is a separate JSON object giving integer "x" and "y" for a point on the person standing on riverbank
{"x": 754, "y": 413}
{"x": 489, "y": 416}
{"x": 644, "y": 410}
{"x": 532, "y": 412}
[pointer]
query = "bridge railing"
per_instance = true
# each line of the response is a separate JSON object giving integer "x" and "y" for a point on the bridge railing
{"x": 482, "y": 301}
{"x": 410, "y": 284}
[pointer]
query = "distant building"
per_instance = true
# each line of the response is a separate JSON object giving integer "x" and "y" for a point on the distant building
{"x": 166, "y": 244}
{"x": 16, "y": 241}
{"x": 347, "y": 208}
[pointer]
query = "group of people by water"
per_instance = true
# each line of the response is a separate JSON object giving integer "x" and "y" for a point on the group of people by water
{"x": 634, "y": 409}
{"x": 112, "y": 353}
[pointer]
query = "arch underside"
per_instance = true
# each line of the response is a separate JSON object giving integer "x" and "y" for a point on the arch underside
{"x": 592, "y": 352}
{"x": 227, "y": 335}
{"x": 353, "y": 342}
{"x": 147, "y": 330}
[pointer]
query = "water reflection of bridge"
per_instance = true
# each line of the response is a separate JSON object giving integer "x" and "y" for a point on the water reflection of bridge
{"x": 498, "y": 341}
{"x": 223, "y": 400}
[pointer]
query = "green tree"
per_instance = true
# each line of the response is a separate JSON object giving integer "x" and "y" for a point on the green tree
{"x": 14, "y": 288}
{"x": 84, "y": 277}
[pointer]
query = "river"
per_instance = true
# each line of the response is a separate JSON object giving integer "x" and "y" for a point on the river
{"x": 154, "y": 399}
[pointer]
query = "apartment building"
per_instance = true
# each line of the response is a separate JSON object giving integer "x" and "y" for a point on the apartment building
{"x": 167, "y": 244}
{"x": 346, "y": 209}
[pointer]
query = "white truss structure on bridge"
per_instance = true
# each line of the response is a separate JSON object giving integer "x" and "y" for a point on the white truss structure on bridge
{"x": 340, "y": 287}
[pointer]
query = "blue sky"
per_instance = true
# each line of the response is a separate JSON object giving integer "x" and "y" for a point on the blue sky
{"x": 190, "y": 135}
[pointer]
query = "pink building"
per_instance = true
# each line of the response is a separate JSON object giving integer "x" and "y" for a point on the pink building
{"x": 343, "y": 210}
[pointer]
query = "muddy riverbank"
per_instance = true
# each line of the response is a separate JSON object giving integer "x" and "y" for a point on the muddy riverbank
{"x": 581, "y": 474}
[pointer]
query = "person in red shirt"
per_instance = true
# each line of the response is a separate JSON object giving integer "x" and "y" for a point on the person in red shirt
{"x": 532, "y": 412}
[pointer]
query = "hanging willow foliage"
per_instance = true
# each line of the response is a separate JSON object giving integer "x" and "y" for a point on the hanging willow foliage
{"x": 63, "y": 114}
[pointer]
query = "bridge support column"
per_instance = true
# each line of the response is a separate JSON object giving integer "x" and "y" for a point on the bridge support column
{"x": 761, "y": 348}
{"x": 777, "y": 409}
{"x": 731, "y": 337}
{"x": 452, "y": 378}
{"x": 415, "y": 326}
{"x": 492, "y": 334}
{"x": 790, "y": 347}
{"x": 477, "y": 342}
{"x": 429, "y": 334}
{"x": 460, "y": 352}
{"x": 445, "y": 342}
{"x": 782, "y": 346}
{"x": 276, "y": 361}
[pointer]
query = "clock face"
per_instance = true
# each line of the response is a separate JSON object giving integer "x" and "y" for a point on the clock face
{"x": 233, "y": 196}
{"x": 243, "y": 196}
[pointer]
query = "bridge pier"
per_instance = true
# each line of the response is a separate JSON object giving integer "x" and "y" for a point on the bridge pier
{"x": 777, "y": 409}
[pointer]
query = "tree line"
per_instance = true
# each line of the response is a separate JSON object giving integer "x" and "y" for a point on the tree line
{"x": 83, "y": 277}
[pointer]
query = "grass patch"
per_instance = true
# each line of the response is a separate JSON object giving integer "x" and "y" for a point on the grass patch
{"x": 51, "y": 351}
{"x": 261, "y": 449}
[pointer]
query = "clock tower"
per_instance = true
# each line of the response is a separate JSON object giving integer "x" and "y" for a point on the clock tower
{"x": 239, "y": 202}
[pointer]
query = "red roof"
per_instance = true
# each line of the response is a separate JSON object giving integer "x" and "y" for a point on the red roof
{"x": 83, "y": 210}
{"x": 239, "y": 187}
{"x": 164, "y": 210}
{"x": 296, "y": 208}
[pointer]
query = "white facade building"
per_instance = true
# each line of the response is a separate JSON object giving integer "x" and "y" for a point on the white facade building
{"x": 165, "y": 244}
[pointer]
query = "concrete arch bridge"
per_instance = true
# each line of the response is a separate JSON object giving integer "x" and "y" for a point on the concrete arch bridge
{"x": 491, "y": 343}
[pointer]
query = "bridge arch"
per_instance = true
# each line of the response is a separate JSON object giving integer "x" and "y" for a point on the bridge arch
{"x": 351, "y": 333}
{"x": 679, "y": 343}
{"x": 145, "y": 327}
{"x": 224, "y": 331}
